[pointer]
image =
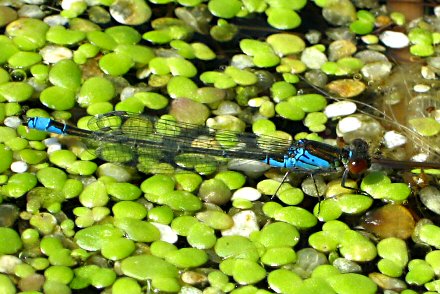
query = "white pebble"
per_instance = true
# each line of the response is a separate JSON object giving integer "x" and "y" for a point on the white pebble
{"x": 19, "y": 167}
{"x": 247, "y": 193}
{"x": 12, "y": 122}
{"x": 166, "y": 233}
{"x": 117, "y": 172}
{"x": 394, "y": 39}
{"x": 251, "y": 168}
{"x": 427, "y": 73}
{"x": 8, "y": 263}
{"x": 421, "y": 157}
{"x": 128, "y": 92}
{"x": 313, "y": 58}
{"x": 227, "y": 108}
{"x": 93, "y": 2}
{"x": 349, "y": 124}
{"x": 430, "y": 198}
{"x": 420, "y": 88}
{"x": 190, "y": 290}
{"x": 143, "y": 73}
{"x": 67, "y": 4}
{"x": 245, "y": 222}
{"x": 346, "y": 266}
{"x": 370, "y": 39}
{"x": 256, "y": 102}
{"x": 340, "y": 108}
{"x": 53, "y": 54}
{"x": 51, "y": 141}
{"x": 56, "y": 20}
{"x": 436, "y": 115}
{"x": 52, "y": 144}
{"x": 53, "y": 148}
{"x": 437, "y": 11}
{"x": 242, "y": 61}
{"x": 393, "y": 139}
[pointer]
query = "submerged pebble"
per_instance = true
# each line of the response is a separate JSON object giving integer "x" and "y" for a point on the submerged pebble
{"x": 130, "y": 12}
{"x": 390, "y": 221}
{"x": 341, "y": 108}
{"x": 346, "y": 88}
{"x": 244, "y": 223}
{"x": 394, "y": 39}
{"x": 394, "y": 139}
{"x": 429, "y": 198}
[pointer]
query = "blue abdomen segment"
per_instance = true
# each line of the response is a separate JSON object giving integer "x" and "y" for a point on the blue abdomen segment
{"x": 310, "y": 156}
{"x": 275, "y": 163}
{"x": 304, "y": 159}
{"x": 46, "y": 125}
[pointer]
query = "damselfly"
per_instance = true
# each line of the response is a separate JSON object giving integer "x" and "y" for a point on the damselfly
{"x": 146, "y": 141}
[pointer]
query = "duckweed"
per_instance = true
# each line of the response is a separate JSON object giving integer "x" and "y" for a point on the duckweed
{"x": 126, "y": 285}
{"x": 19, "y": 184}
{"x": 296, "y": 216}
{"x": 94, "y": 90}
{"x": 278, "y": 256}
{"x": 344, "y": 282}
{"x": 187, "y": 257}
{"x": 236, "y": 247}
{"x": 117, "y": 249}
{"x": 94, "y": 237}
{"x": 6, "y": 155}
{"x": 356, "y": 247}
{"x": 123, "y": 191}
{"x": 420, "y": 272}
{"x": 11, "y": 241}
{"x": 152, "y": 267}
{"x": 15, "y": 92}
{"x": 247, "y": 272}
{"x": 237, "y": 231}
{"x": 116, "y": 64}
{"x": 94, "y": 195}
{"x": 201, "y": 236}
{"x": 130, "y": 209}
{"x": 278, "y": 278}
{"x": 137, "y": 230}
{"x": 182, "y": 224}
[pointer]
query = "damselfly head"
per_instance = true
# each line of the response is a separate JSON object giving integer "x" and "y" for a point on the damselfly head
{"x": 359, "y": 160}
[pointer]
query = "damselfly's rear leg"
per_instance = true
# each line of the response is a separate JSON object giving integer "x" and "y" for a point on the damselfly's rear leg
{"x": 314, "y": 183}
{"x": 357, "y": 190}
{"x": 282, "y": 182}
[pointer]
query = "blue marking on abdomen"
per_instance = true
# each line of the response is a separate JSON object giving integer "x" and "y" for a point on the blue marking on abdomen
{"x": 301, "y": 159}
{"x": 45, "y": 124}
{"x": 307, "y": 160}
{"x": 275, "y": 163}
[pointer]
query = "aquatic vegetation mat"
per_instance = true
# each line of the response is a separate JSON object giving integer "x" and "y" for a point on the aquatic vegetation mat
{"x": 94, "y": 211}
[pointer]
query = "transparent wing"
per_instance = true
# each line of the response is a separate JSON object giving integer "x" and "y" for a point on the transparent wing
{"x": 146, "y": 140}
{"x": 151, "y": 132}
{"x": 158, "y": 161}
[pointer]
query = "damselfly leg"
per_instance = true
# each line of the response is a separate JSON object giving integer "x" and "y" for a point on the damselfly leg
{"x": 317, "y": 193}
{"x": 344, "y": 185}
{"x": 282, "y": 182}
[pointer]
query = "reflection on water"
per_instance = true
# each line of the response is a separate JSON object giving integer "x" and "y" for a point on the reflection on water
{"x": 398, "y": 114}
{"x": 411, "y": 97}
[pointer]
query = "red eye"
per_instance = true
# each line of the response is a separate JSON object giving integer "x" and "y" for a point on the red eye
{"x": 358, "y": 166}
